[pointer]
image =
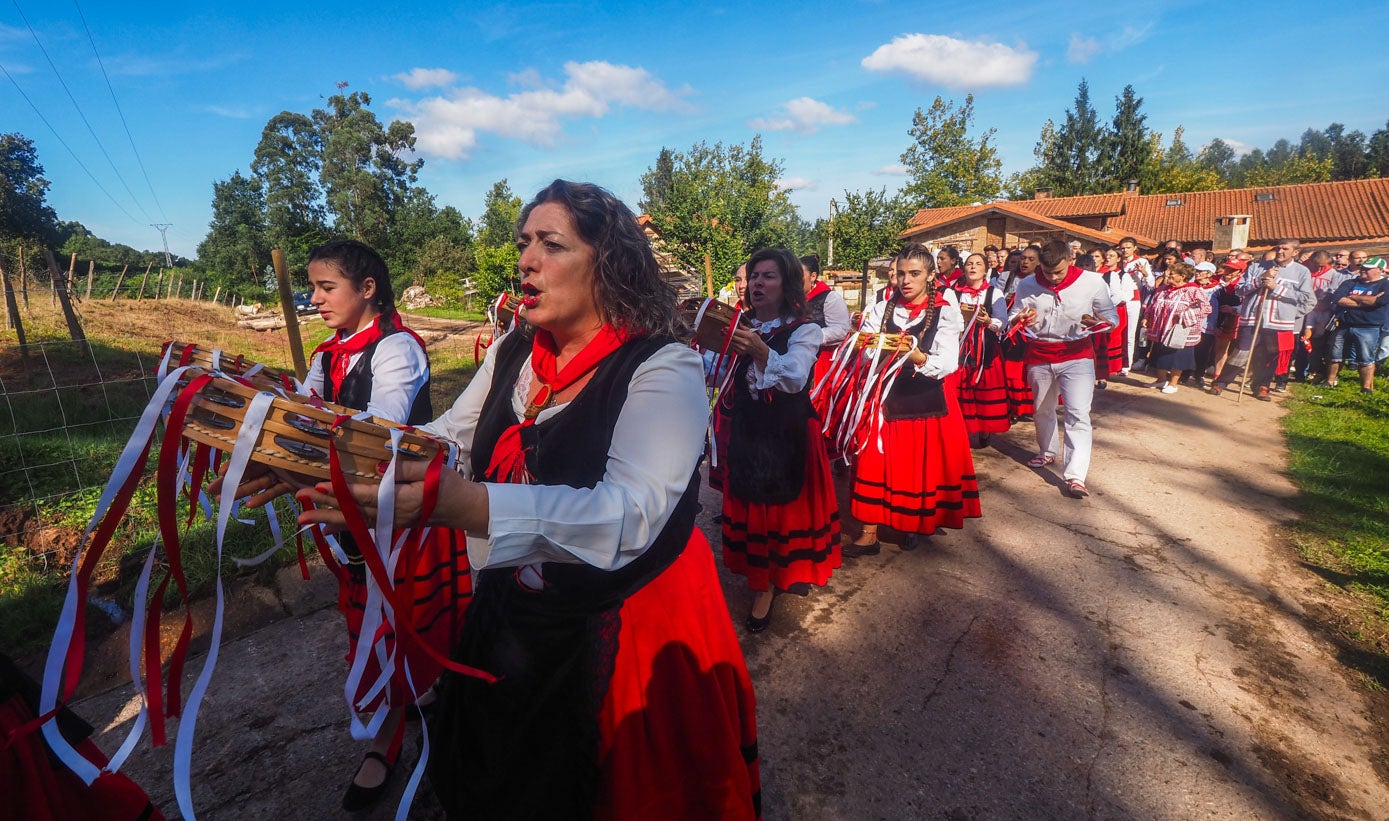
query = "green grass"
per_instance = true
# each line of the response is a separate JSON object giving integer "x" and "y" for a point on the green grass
{"x": 462, "y": 314}
{"x": 1339, "y": 442}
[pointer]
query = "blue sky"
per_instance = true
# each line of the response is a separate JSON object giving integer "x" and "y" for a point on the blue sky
{"x": 531, "y": 92}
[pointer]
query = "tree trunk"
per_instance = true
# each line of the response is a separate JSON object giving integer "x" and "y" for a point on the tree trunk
{"x": 60, "y": 289}
{"x": 119, "y": 280}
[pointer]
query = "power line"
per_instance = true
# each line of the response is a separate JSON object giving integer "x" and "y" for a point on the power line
{"x": 85, "y": 122}
{"x": 64, "y": 143}
{"x": 116, "y": 102}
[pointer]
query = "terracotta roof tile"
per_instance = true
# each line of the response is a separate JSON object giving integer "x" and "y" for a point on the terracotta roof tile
{"x": 929, "y": 218}
{"x": 1092, "y": 205}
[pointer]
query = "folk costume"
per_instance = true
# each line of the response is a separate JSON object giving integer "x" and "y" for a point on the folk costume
{"x": 1140, "y": 274}
{"x": 780, "y": 518}
{"x": 826, "y": 307}
{"x": 1276, "y": 313}
{"x": 1174, "y": 318}
{"x": 622, "y": 691}
{"x": 915, "y": 472}
{"x": 384, "y": 370}
{"x": 1014, "y": 348}
{"x": 1111, "y": 347}
{"x": 983, "y": 385}
{"x": 1061, "y": 360}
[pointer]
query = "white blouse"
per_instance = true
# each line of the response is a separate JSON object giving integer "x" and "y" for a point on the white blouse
{"x": 786, "y": 372}
{"x": 658, "y": 441}
{"x": 399, "y": 370}
{"x": 944, "y": 357}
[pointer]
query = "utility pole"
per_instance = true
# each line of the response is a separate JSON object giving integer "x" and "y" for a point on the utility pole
{"x": 830, "y": 262}
{"x": 163, "y": 228}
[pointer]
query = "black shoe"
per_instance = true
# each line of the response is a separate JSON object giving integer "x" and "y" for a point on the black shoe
{"x": 853, "y": 551}
{"x": 912, "y": 542}
{"x": 756, "y": 625}
{"x": 359, "y": 798}
{"x": 1101, "y": 385}
{"x": 798, "y": 589}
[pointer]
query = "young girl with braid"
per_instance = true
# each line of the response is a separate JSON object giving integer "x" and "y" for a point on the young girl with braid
{"x": 916, "y": 473}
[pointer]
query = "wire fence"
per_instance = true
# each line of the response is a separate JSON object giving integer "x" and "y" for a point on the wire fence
{"x": 62, "y": 427}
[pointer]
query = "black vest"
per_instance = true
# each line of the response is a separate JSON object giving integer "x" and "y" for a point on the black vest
{"x": 356, "y": 386}
{"x": 914, "y": 396}
{"x": 815, "y": 309}
{"x": 767, "y": 435}
{"x": 527, "y": 746}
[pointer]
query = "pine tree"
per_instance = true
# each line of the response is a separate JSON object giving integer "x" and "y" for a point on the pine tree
{"x": 1071, "y": 164}
{"x": 1125, "y": 151}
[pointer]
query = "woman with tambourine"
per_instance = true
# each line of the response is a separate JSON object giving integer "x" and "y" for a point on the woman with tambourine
{"x": 780, "y": 516}
{"x": 915, "y": 472}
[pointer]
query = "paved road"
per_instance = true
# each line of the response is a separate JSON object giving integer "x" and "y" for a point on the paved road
{"x": 1144, "y": 653}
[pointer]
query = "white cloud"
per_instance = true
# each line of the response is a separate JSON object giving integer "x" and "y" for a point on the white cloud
{"x": 795, "y": 184}
{"x": 1082, "y": 49}
{"x": 449, "y": 125}
{"x": 1238, "y": 147}
{"x": 954, "y": 63}
{"x": 418, "y": 78}
{"x": 232, "y": 112}
{"x": 805, "y": 115}
{"x": 894, "y": 170}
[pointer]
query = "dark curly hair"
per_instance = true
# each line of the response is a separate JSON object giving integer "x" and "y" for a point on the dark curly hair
{"x": 632, "y": 295}
{"x": 792, "y": 279}
{"x": 358, "y": 262}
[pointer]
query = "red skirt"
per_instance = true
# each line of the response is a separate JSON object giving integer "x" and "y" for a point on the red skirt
{"x": 441, "y": 586}
{"x": 781, "y": 545}
{"x": 926, "y": 479}
{"x": 678, "y": 726}
{"x": 1015, "y": 379}
{"x": 985, "y": 404}
{"x": 1110, "y": 347}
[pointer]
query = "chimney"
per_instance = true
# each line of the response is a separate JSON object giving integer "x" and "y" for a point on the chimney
{"x": 1231, "y": 232}
{"x": 1041, "y": 194}
{"x": 1131, "y": 187}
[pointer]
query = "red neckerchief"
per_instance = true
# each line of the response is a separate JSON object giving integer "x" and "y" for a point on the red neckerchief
{"x": 508, "y": 462}
{"x": 342, "y": 350}
{"x": 1318, "y": 276}
{"x": 973, "y": 290}
{"x": 816, "y": 289}
{"x": 1072, "y": 274}
{"x": 915, "y": 308}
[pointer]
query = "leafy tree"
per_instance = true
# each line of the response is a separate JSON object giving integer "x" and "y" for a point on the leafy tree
{"x": 1377, "y": 152}
{"x": 236, "y": 244}
{"x": 1294, "y": 169}
{"x": 1125, "y": 150}
{"x": 1350, "y": 158}
{"x": 1071, "y": 162}
{"x": 1177, "y": 170}
{"x": 866, "y": 225}
{"x": 287, "y": 164}
{"x": 656, "y": 186}
{"x": 417, "y": 223}
{"x": 723, "y": 201}
{"x": 944, "y": 164}
{"x": 1023, "y": 185}
{"x": 1218, "y": 156}
{"x": 496, "y": 269}
{"x": 500, "y": 211}
{"x": 24, "y": 212}
{"x": 364, "y": 174}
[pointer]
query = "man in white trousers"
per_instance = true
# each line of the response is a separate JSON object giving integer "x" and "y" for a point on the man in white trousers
{"x": 1062, "y": 306}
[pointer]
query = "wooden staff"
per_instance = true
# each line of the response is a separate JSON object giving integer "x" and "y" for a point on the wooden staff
{"x": 1254, "y": 343}
{"x": 119, "y": 280}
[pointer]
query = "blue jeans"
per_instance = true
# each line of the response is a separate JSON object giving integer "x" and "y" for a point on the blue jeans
{"x": 1363, "y": 343}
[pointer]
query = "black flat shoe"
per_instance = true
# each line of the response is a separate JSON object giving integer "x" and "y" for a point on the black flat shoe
{"x": 912, "y": 542}
{"x": 798, "y": 589}
{"x": 756, "y": 625}
{"x": 853, "y": 551}
{"x": 359, "y": 798}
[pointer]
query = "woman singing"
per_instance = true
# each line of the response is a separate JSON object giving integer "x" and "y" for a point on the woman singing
{"x": 780, "y": 515}
{"x": 621, "y": 690}
{"x": 982, "y": 384}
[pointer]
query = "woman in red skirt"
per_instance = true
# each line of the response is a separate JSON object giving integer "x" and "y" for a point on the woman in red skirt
{"x": 915, "y": 472}
{"x": 780, "y": 515}
{"x": 983, "y": 387}
{"x": 1014, "y": 347}
{"x": 1110, "y": 346}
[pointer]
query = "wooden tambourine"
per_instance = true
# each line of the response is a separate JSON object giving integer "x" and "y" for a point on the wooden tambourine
{"x": 884, "y": 342}
{"x": 271, "y": 379}
{"x": 297, "y": 431}
{"x": 711, "y": 320}
{"x": 506, "y": 307}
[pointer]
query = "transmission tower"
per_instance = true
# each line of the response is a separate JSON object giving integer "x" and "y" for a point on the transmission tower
{"x": 163, "y": 228}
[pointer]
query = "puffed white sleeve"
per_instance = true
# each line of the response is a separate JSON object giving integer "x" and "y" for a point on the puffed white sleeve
{"x": 313, "y": 381}
{"x": 656, "y": 444}
{"x": 399, "y": 371}
{"x": 836, "y": 318}
{"x": 998, "y": 314}
{"x": 788, "y": 372}
{"x": 944, "y": 357}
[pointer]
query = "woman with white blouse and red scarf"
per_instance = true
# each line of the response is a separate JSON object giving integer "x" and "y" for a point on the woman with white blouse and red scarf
{"x": 982, "y": 384}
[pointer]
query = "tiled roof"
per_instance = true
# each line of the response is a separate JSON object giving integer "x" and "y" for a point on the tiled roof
{"x": 1313, "y": 212}
{"x": 1326, "y": 212}
{"x": 1092, "y": 205}
{"x": 929, "y": 218}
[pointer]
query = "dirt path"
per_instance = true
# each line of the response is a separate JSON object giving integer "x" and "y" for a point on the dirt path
{"x": 1146, "y": 653}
